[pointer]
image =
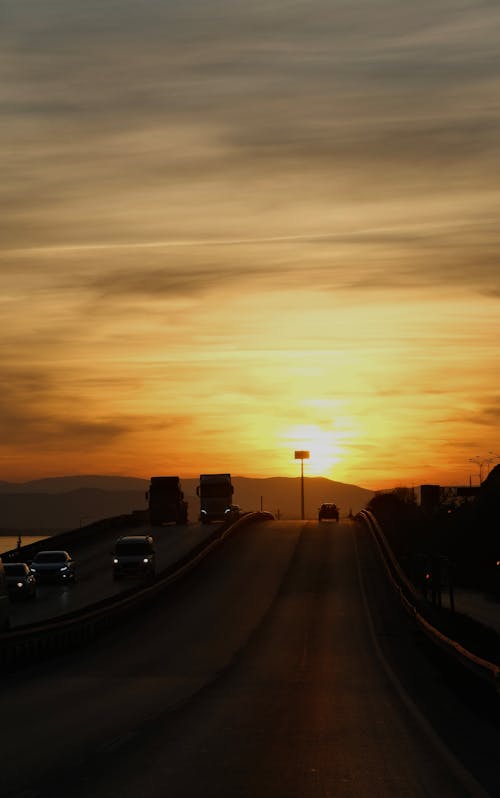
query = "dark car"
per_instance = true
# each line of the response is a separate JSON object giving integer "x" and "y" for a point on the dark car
{"x": 329, "y": 511}
{"x": 53, "y": 566}
{"x": 20, "y": 581}
{"x": 134, "y": 555}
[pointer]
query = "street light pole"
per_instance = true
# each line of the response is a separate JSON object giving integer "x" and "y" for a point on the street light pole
{"x": 302, "y": 455}
{"x": 302, "y": 489}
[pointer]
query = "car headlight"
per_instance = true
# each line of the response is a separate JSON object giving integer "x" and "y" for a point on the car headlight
{"x": 115, "y": 560}
{"x": 33, "y": 570}
{"x": 20, "y": 584}
{"x": 146, "y": 559}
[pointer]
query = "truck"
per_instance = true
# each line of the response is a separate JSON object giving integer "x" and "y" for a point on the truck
{"x": 166, "y": 501}
{"x": 216, "y": 497}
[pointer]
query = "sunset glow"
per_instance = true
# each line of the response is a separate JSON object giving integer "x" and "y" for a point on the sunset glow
{"x": 231, "y": 230}
{"x": 322, "y": 444}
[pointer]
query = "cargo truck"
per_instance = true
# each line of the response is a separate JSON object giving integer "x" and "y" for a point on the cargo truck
{"x": 166, "y": 501}
{"x": 216, "y": 497}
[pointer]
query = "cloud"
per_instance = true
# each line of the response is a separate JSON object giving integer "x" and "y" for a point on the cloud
{"x": 405, "y": 259}
{"x": 34, "y": 414}
{"x": 29, "y": 427}
{"x": 39, "y": 413}
{"x": 166, "y": 282}
{"x": 252, "y": 124}
{"x": 489, "y": 414}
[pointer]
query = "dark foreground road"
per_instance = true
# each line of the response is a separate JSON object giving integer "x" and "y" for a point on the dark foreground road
{"x": 261, "y": 676}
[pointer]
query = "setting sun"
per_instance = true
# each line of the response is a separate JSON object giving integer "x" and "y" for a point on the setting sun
{"x": 322, "y": 444}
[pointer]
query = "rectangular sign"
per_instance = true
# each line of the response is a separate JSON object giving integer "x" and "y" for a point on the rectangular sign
{"x": 302, "y": 455}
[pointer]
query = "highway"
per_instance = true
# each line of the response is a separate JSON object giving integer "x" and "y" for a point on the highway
{"x": 282, "y": 667}
{"x": 94, "y": 570}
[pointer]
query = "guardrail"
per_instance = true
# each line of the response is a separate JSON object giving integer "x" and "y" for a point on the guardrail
{"x": 39, "y": 641}
{"x": 411, "y": 600}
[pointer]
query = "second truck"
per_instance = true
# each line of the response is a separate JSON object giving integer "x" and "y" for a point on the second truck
{"x": 216, "y": 496}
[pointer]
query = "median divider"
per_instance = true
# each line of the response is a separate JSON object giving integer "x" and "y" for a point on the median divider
{"x": 414, "y": 603}
{"x": 35, "y": 642}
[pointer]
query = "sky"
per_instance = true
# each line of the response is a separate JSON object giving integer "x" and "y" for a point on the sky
{"x": 230, "y": 230}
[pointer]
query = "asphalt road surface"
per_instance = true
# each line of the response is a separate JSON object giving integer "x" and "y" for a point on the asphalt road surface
{"x": 281, "y": 668}
{"x": 95, "y": 581}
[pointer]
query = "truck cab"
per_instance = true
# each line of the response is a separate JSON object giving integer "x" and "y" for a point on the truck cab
{"x": 216, "y": 497}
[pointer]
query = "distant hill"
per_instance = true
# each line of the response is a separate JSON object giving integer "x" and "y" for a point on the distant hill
{"x": 58, "y": 503}
{"x": 66, "y": 484}
{"x": 50, "y": 512}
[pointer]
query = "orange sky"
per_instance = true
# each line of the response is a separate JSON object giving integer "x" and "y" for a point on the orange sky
{"x": 232, "y": 230}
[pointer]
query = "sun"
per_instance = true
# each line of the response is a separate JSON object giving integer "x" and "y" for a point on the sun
{"x": 323, "y": 445}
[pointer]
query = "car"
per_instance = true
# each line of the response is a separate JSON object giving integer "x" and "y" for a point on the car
{"x": 329, "y": 511}
{"x": 134, "y": 555}
{"x": 21, "y": 583}
{"x": 53, "y": 566}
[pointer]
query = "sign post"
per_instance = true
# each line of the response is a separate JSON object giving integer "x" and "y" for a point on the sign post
{"x": 302, "y": 455}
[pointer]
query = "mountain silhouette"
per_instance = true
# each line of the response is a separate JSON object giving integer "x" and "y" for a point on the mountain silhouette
{"x": 59, "y": 503}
